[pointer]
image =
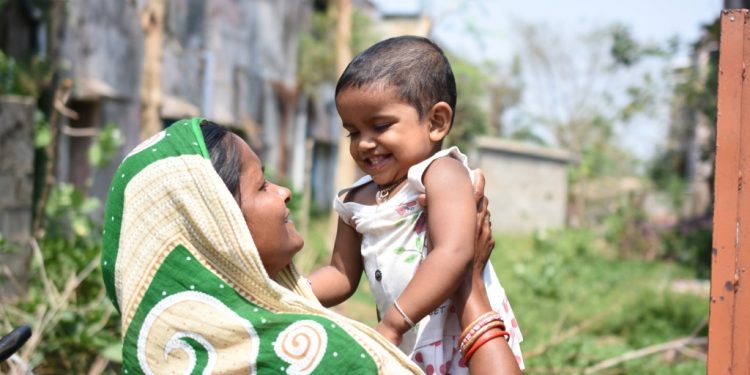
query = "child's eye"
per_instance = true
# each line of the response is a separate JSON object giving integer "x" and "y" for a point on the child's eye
{"x": 381, "y": 128}
{"x": 264, "y": 186}
{"x": 352, "y": 134}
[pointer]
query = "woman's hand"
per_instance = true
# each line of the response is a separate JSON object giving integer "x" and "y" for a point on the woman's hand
{"x": 483, "y": 241}
{"x": 495, "y": 356}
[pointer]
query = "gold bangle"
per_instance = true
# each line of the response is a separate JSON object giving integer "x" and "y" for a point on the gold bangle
{"x": 403, "y": 314}
{"x": 473, "y": 337}
{"x": 474, "y": 323}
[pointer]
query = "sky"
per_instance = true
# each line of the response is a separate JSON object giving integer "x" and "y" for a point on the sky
{"x": 484, "y": 30}
{"x": 650, "y": 20}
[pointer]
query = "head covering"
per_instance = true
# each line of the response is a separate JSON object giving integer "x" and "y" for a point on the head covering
{"x": 180, "y": 266}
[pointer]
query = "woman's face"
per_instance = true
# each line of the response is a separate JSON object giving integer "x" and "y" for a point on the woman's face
{"x": 263, "y": 205}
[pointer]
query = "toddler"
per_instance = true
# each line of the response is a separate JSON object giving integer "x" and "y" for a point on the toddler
{"x": 397, "y": 102}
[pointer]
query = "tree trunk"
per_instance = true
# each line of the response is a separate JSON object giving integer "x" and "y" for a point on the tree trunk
{"x": 152, "y": 20}
{"x": 345, "y": 169}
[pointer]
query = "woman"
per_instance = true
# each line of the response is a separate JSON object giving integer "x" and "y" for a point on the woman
{"x": 198, "y": 292}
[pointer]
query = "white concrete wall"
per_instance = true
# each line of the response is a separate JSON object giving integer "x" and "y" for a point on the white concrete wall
{"x": 526, "y": 185}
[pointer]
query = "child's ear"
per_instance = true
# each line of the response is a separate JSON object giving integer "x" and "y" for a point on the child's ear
{"x": 440, "y": 117}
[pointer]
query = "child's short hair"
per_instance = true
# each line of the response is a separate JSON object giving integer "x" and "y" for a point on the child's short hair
{"x": 415, "y": 67}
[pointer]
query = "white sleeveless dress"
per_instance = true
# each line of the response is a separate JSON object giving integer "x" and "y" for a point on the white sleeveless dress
{"x": 394, "y": 243}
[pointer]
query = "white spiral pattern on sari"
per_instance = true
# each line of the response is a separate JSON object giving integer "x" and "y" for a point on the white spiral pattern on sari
{"x": 162, "y": 345}
{"x": 177, "y": 342}
{"x": 302, "y": 345}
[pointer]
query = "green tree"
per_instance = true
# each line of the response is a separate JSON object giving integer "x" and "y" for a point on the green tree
{"x": 471, "y": 118}
{"x": 316, "y": 63}
{"x": 585, "y": 92}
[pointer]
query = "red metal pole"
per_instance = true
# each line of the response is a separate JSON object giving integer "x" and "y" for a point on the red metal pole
{"x": 729, "y": 322}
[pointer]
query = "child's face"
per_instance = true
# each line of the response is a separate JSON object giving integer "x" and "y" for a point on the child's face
{"x": 386, "y": 135}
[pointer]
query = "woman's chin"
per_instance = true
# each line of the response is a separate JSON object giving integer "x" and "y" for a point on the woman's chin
{"x": 294, "y": 235}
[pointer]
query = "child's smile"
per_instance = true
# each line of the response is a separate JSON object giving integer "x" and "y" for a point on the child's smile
{"x": 377, "y": 162}
{"x": 387, "y": 136}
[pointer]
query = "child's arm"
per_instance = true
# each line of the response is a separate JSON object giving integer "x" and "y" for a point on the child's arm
{"x": 451, "y": 226}
{"x": 336, "y": 282}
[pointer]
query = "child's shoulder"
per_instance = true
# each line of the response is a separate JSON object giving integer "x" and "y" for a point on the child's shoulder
{"x": 445, "y": 170}
{"x": 452, "y": 153}
{"x": 448, "y": 166}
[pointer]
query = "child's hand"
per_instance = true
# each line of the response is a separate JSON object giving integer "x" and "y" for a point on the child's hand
{"x": 390, "y": 333}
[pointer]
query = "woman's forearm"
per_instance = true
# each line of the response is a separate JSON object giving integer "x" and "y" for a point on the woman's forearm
{"x": 494, "y": 356}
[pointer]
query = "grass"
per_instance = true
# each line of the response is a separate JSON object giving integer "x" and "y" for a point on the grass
{"x": 578, "y": 306}
{"x": 577, "y": 303}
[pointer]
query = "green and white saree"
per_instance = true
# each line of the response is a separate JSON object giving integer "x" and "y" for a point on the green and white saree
{"x": 180, "y": 266}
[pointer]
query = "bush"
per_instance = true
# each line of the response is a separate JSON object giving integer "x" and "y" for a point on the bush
{"x": 73, "y": 323}
{"x": 690, "y": 244}
{"x": 75, "y": 330}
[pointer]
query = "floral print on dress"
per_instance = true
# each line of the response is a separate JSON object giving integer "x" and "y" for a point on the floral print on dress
{"x": 417, "y": 253}
{"x": 421, "y": 224}
{"x": 409, "y": 256}
{"x": 407, "y": 208}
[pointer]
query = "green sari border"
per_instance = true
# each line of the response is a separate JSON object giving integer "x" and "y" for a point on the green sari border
{"x": 196, "y": 125}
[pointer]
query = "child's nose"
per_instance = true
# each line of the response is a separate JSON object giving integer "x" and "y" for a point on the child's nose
{"x": 367, "y": 143}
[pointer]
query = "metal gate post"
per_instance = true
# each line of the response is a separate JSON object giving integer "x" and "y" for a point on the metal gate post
{"x": 729, "y": 321}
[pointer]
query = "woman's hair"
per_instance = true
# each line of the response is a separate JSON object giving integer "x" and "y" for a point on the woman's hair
{"x": 225, "y": 155}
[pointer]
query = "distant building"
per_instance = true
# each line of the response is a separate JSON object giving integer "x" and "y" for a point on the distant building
{"x": 408, "y": 17}
{"x": 231, "y": 62}
{"x": 527, "y": 186}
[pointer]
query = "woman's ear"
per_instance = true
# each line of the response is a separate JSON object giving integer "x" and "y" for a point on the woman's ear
{"x": 440, "y": 116}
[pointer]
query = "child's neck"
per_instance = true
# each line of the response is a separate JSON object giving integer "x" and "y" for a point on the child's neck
{"x": 384, "y": 191}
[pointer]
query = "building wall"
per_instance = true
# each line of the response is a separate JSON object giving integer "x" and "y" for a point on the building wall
{"x": 17, "y": 186}
{"x": 526, "y": 185}
{"x": 395, "y": 26}
{"x": 233, "y": 62}
{"x": 241, "y": 59}
{"x": 103, "y": 45}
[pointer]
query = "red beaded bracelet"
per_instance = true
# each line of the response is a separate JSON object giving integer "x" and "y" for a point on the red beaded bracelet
{"x": 483, "y": 340}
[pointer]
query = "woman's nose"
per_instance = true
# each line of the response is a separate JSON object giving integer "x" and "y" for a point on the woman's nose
{"x": 284, "y": 193}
